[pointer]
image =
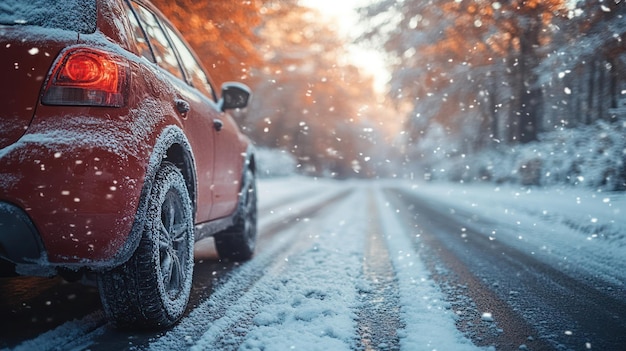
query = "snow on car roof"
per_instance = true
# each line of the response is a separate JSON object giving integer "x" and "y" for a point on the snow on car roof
{"x": 75, "y": 15}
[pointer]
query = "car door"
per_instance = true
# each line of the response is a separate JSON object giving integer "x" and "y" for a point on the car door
{"x": 229, "y": 157}
{"x": 228, "y": 149}
{"x": 210, "y": 117}
{"x": 196, "y": 111}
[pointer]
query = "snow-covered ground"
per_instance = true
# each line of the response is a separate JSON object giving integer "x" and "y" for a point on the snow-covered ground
{"x": 565, "y": 226}
{"x": 581, "y": 228}
{"x": 311, "y": 301}
{"x": 304, "y": 288}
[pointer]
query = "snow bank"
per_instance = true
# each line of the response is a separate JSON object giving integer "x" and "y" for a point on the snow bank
{"x": 589, "y": 156}
{"x": 273, "y": 163}
{"x": 577, "y": 227}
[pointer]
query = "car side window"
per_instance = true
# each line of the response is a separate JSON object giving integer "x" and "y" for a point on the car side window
{"x": 163, "y": 52}
{"x": 140, "y": 37}
{"x": 198, "y": 78}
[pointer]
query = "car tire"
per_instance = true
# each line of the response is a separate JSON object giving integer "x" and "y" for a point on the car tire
{"x": 237, "y": 242}
{"x": 152, "y": 288}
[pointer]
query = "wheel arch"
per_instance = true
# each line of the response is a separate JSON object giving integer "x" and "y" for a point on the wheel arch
{"x": 182, "y": 158}
{"x": 250, "y": 161}
{"x": 172, "y": 146}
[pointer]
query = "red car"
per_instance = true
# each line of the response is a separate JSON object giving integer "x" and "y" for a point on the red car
{"x": 116, "y": 155}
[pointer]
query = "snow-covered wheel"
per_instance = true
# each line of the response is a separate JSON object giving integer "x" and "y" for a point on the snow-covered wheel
{"x": 238, "y": 241}
{"x": 152, "y": 289}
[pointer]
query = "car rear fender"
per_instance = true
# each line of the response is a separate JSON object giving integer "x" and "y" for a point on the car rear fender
{"x": 172, "y": 145}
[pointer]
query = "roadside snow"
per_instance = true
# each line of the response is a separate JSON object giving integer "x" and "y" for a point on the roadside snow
{"x": 588, "y": 156}
{"x": 577, "y": 229}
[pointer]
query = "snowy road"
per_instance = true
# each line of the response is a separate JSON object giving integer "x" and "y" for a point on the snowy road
{"x": 379, "y": 266}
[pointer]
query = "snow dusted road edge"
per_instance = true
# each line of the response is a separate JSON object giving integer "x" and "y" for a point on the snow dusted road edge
{"x": 563, "y": 226}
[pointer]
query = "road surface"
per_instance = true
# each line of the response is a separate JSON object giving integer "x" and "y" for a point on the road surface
{"x": 354, "y": 266}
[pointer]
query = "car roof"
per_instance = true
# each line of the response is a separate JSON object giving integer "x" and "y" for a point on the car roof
{"x": 74, "y": 15}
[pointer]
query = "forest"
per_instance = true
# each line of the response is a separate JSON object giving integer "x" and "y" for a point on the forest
{"x": 527, "y": 91}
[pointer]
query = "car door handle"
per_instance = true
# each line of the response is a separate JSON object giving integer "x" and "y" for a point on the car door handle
{"x": 218, "y": 124}
{"x": 182, "y": 106}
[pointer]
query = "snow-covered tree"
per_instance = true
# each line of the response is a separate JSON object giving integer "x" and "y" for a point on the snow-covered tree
{"x": 489, "y": 77}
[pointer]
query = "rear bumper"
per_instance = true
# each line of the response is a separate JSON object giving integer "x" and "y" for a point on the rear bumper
{"x": 20, "y": 244}
{"x": 19, "y": 240}
{"x": 69, "y": 202}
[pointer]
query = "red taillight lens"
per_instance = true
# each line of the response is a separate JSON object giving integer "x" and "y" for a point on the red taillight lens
{"x": 88, "y": 77}
{"x": 84, "y": 68}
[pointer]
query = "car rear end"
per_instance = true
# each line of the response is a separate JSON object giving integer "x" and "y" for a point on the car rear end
{"x": 73, "y": 144}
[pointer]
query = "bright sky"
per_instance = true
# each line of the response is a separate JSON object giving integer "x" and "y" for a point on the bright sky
{"x": 344, "y": 11}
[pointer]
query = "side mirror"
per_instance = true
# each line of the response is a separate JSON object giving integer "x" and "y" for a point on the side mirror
{"x": 234, "y": 95}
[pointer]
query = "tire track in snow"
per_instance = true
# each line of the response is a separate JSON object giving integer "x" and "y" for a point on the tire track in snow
{"x": 232, "y": 328}
{"x": 479, "y": 306}
{"x": 273, "y": 220}
{"x": 73, "y": 335}
{"x": 379, "y": 319}
{"x": 525, "y": 294}
{"x": 428, "y": 322}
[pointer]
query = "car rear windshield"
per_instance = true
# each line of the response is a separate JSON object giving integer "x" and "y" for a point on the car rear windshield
{"x": 75, "y": 15}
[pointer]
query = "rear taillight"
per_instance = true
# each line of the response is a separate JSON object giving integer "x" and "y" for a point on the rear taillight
{"x": 88, "y": 77}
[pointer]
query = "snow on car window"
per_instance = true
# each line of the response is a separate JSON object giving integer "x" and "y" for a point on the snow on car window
{"x": 74, "y": 15}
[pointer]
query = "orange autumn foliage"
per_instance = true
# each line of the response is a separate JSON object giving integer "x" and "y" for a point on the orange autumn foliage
{"x": 221, "y": 33}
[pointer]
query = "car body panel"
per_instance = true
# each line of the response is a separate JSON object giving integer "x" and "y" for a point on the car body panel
{"x": 227, "y": 179}
{"x": 79, "y": 172}
{"x": 200, "y": 119}
{"x": 26, "y": 65}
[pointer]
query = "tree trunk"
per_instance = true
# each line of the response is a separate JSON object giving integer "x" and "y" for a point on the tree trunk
{"x": 530, "y": 94}
{"x": 590, "y": 93}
